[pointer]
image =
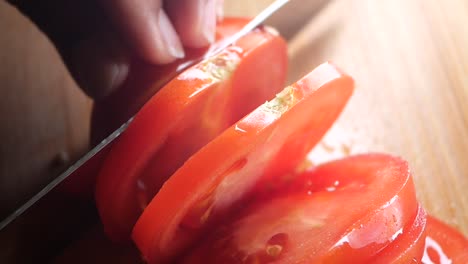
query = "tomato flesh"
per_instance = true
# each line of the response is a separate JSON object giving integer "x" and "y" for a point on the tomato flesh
{"x": 226, "y": 169}
{"x": 408, "y": 247}
{"x": 145, "y": 80}
{"x": 444, "y": 244}
{"x": 307, "y": 222}
{"x": 182, "y": 117}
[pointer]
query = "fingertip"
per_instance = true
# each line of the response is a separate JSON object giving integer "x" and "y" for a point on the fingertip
{"x": 169, "y": 48}
{"x": 194, "y": 20}
{"x": 147, "y": 29}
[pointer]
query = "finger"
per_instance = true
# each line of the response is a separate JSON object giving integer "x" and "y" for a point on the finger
{"x": 100, "y": 65}
{"x": 219, "y": 9}
{"x": 97, "y": 61}
{"x": 146, "y": 28}
{"x": 194, "y": 20}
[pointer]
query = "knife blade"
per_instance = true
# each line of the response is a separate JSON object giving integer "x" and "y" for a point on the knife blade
{"x": 214, "y": 49}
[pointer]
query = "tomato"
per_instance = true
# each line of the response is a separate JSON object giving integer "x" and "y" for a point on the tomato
{"x": 223, "y": 172}
{"x": 182, "y": 117}
{"x": 143, "y": 81}
{"x": 345, "y": 211}
{"x": 444, "y": 244}
{"x": 408, "y": 247}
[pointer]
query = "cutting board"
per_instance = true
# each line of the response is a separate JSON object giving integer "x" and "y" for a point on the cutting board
{"x": 410, "y": 63}
{"x": 408, "y": 58}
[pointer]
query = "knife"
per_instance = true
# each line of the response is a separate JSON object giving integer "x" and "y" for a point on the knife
{"x": 214, "y": 49}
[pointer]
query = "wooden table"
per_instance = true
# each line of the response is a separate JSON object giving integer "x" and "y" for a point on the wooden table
{"x": 409, "y": 59}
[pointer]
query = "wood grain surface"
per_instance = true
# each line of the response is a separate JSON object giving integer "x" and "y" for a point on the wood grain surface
{"x": 409, "y": 59}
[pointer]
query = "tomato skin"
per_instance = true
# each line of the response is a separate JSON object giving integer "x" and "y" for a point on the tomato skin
{"x": 188, "y": 203}
{"x": 182, "y": 117}
{"x": 306, "y": 222}
{"x": 390, "y": 201}
{"x": 143, "y": 81}
{"x": 444, "y": 244}
{"x": 408, "y": 247}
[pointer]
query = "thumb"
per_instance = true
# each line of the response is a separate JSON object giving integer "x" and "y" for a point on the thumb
{"x": 100, "y": 64}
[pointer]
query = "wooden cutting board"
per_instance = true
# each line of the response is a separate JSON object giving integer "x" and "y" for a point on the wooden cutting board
{"x": 409, "y": 59}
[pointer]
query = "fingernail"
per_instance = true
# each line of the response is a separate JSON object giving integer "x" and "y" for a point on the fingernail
{"x": 169, "y": 36}
{"x": 207, "y": 24}
{"x": 117, "y": 74}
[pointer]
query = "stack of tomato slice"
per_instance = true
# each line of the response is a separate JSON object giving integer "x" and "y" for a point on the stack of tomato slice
{"x": 196, "y": 178}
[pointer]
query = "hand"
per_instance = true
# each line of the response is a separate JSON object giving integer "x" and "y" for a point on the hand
{"x": 98, "y": 39}
{"x": 45, "y": 117}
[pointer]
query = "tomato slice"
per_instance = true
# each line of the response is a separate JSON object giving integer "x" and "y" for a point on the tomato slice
{"x": 143, "y": 81}
{"x": 225, "y": 170}
{"x": 345, "y": 211}
{"x": 408, "y": 247}
{"x": 181, "y": 118}
{"x": 444, "y": 244}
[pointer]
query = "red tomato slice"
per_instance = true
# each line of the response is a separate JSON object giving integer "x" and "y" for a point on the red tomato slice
{"x": 271, "y": 140}
{"x": 444, "y": 244}
{"x": 181, "y": 118}
{"x": 143, "y": 81}
{"x": 408, "y": 247}
{"x": 345, "y": 211}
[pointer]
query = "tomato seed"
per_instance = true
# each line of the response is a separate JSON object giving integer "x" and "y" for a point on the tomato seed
{"x": 274, "y": 250}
